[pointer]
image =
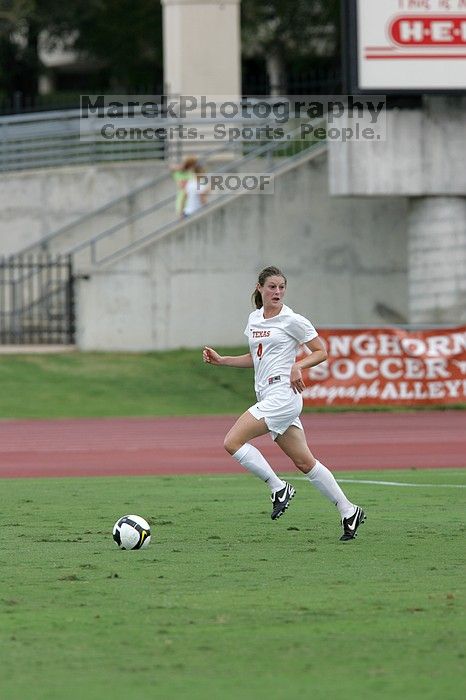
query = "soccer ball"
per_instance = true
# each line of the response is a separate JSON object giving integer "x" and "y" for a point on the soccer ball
{"x": 131, "y": 532}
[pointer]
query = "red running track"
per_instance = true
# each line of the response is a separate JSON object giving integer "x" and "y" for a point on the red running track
{"x": 127, "y": 446}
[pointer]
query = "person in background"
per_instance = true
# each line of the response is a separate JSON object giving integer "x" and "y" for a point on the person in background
{"x": 182, "y": 173}
{"x": 194, "y": 194}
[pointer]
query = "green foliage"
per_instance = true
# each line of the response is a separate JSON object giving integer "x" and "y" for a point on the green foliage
{"x": 124, "y": 37}
{"x": 290, "y": 28}
{"x": 225, "y": 603}
{"x": 127, "y": 36}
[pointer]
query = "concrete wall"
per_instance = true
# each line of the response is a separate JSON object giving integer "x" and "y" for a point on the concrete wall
{"x": 423, "y": 158}
{"x": 437, "y": 255}
{"x": 424, "y": 154}
{"x": 202, "y": 47}
{"x": 345, "y": 260}
{"x": 36, "y": 202}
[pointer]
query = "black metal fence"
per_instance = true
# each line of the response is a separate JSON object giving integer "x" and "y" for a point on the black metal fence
{"x": 36, "y": 300}
{"x": 21, "y": 103}
{"x": 322, "y": 79}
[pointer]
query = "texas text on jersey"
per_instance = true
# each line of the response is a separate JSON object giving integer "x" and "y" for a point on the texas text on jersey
{"x": 273, "y": 343}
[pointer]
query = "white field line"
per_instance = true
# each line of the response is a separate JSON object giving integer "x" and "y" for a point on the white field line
{"x": 392, "y": 483}
{"x": 345, "y": 481}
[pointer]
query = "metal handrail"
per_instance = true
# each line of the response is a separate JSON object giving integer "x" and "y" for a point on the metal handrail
{"x": 55, "y": 138}
{"x": 265, "y": 149}
{"x": 43, "y": 242}
{"x": 268, "y": 149}
{"x": 174, "y": 224}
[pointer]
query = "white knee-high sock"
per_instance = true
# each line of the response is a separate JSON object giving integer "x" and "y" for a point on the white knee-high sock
{"x": 250, "y": 457}
{"x": 324, "y": 481}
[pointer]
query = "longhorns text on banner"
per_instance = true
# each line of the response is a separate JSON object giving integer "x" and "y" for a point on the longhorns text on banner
{"x": 389, "y": 366}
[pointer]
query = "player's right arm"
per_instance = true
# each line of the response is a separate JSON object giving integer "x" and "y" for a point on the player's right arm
{"x": 212, "y": 357}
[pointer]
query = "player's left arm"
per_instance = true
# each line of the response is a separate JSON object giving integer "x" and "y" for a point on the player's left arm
{"x": 315, "y": 354}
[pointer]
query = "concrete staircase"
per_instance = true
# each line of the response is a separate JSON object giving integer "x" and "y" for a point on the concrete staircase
{"x": 149, "y": 210}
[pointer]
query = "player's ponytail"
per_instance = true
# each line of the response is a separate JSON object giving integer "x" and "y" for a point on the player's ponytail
{"x": 256, "y": 299}
{"x": 271, "y": 271}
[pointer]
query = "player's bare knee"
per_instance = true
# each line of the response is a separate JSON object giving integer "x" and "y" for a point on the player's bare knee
{"x": 231, "y": 445}
{"x": 305, "y": 465}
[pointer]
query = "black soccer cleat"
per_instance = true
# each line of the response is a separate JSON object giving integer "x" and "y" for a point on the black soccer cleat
{"x": 350, "y": 525}
{"x": 281, "y": 500}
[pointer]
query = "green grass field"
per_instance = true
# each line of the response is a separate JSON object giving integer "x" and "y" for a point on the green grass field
{"x": 81, "y": 385}
{"x": 225, "y": 603}
{"x": 120, "y": 384}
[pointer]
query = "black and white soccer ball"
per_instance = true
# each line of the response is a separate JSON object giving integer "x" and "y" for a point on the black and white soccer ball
{"x": 131, "y": 532}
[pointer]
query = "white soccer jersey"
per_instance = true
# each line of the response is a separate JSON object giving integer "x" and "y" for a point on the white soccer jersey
{"x": 273, "y": 343}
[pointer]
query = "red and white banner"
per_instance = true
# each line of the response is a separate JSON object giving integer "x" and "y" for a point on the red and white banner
{"x": 411, "y": 44}
{"x": 389, "y": 366}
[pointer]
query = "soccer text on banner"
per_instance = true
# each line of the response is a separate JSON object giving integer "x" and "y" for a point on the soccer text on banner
{"x": 389, "y": 366}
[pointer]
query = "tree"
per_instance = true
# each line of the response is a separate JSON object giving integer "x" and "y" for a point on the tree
{"x": 283, "y": 30}
{"x": 125, "y": 36}
{"x": 21, "y": 24}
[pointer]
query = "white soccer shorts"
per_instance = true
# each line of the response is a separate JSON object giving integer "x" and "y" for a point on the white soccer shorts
{"x": 280, "y": 408}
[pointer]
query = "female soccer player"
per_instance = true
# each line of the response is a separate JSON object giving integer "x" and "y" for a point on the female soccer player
{"x": 275, "y": 333}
